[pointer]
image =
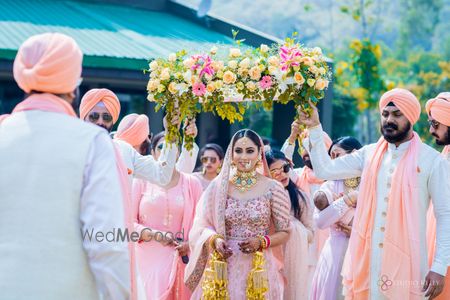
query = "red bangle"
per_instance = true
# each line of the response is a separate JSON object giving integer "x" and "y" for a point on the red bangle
{"x": 266, "y": 237}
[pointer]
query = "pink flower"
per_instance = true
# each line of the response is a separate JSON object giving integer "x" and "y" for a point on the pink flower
{"x": 198, "y": 89}
{"x": 288, "y": 55}
{"x": 266, "y": 82}
{"x": 202, "y": 62}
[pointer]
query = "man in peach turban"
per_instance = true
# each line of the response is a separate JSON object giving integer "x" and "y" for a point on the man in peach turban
{"x": 54, "y": 170}
{"x": 101, "y": 107}
{"x": 438, "y": 110}
{"x": 386, "y": 256}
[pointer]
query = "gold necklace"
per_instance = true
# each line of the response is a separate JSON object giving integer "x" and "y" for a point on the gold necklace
{"x": 244, "y": 181}
{"x": 352, "y": 183}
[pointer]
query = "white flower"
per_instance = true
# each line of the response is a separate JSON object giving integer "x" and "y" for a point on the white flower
{"x": 188, "y": 63}
{"x": 233, "y": 64}
{"x": 153, "y": 65}
{"x": 317, "y": 51}
{"x": 245, "y": 63}
{"x": 187, "y": 76}
{"x": 264, "y": 48}
{"x": 172, "y": 57}
{"x": 235, "y": 52}
{"x": 165, "y": 74}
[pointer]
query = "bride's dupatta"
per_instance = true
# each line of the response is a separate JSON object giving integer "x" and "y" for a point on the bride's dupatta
{"x": 210, "y": 220}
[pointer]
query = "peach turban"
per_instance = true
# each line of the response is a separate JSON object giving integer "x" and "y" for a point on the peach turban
{"x": 3, "y": 117}
{"x": 439, "y": 108}
{"x": 95, "y": 96}
{"x": 403, "y": 100}
{"x": 133, "y": 129}
{"x": 49, "y": 62}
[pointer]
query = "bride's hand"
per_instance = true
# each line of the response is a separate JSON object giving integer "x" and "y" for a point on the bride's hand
{"x": 221, "y": 246}
{"x": 250, "y": 245}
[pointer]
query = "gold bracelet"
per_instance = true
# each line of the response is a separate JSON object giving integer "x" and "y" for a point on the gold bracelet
{"x": 213, "y": 239}
{"x": 262, "y": 240}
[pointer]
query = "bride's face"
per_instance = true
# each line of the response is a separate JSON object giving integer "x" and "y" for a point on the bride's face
{"x": 245, "y": 154}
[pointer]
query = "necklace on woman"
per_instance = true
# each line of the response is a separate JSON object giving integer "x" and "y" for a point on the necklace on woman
{"x": 244, "y": 181}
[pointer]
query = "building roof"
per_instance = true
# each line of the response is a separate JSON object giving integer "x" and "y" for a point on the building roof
{"x": 111, "y": 36}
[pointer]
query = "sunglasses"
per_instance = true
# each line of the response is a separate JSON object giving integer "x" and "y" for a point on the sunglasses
{"x": 284, "y": 168}
{"x": 94, "y": 116}
{"x": 433, "y": 123}
{"x": 205, "y": 159}
{"x": 160, "y": 146}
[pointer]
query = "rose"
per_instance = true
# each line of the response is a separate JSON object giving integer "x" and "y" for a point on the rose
{"x": 314, "y": 70}
{"x": 245, "y": 63}
{"x": 211, "y": 87}
{"x": 218, "y": 84}
{"x": 240, "y": 85}
{"x": 229, "y": 77}
{"x": 255, "y": 73}
{"x": 213, "y": 50}
{"x": 232, "y": 64}
{"x": 235, "y": 52}
{"x": 251, "y": 86}
{"x": 173, "y": 88}
{"x": 264, "y": 48}
{"x": 243, "y": 72}
{"x": 154, "y": 75}
{"x": 322, "y": 71}
{"x": 153, "y": 65}
{"x": 151, "y": 98}
{"x": 321, "y": 84}
{"x": 274, "y": 61}
{"x": 311, "y": 82}
{"x": 165, "y": 74}
{"x": 152, "y": 85}
{"x": 272, "y": 70}
{"x": 308, "y": 61}
{"x": 217, "y": 65}
{"x": 188, "y": 63}
{"x": 172, "y": 57}
{"x": 161, "y": 88}
{"x": 187, "y": 76}
{"x": 298, "y": 77}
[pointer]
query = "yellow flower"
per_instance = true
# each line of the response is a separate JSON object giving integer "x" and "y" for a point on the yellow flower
{"x": 172, "y": 57}
{"x": 308, "y": 61}
{"x": 356, "y": 45}
{"x": 232, "y": 64}
{"x": 255, "y": 73}
{"x": 219, "y": 74}
{"x": 211, "y": 87}
{"x": 264, "y": 48}
{"x": 298, "y": 77}
{"x": 251, "y": 86}
{"x": 245, "y": 63}
{"x": 272, "y": 70}
{"x": 243, "y": 72}
{"x": 240, "y": 85}
{"x": 296, "y": 68}
{"x": 390, "y": 85}
{"x": 153, "y": 65}
{"x": 262, "y": 67}
{"x": 360, "y": 94}
{"x": 152, "y": 85}
{"x": 161, "y": 88}
{"x": 321, "y": 84}
{"x": 218, "y": 84}
{"x": 229, "y": 77}
{"x": 235, "y": 52}
{"x": 217, "y": 65}
{"x": 173, "y": 88}
{"x": 317, "y": 51}
{"x": 377, "y": 51}
{"x": 188, "y": 63}
{"x": 274, "y": 61}
{"x": 151, "y": 97}
{"x": 346, "y": 83}
{"x": 311, "y": 82}
{"x": 165, "y": 74}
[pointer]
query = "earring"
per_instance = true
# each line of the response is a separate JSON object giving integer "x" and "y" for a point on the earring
{"x": 218, "y": 170}
{"x": 203, "y": 170}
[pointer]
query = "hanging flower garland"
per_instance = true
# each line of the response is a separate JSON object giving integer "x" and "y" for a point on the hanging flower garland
{"x": 225, "y": 79}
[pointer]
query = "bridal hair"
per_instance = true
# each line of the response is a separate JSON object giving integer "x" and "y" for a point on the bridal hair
{"x": 294, "y": 192}
{"x": 347, "y": 143}
{"x": 248, "y": 133}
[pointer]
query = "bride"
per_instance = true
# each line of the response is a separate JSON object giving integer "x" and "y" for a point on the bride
{"x": 242, "y": 219}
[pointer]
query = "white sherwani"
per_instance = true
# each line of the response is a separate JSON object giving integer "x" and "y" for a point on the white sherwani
{"x": 58, "y": 180}
{"x": 433, "y": 183}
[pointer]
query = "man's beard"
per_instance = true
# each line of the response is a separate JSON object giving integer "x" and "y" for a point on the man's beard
{"x": 107, "y": 129}
{"x": 395, "y": 138}
{"x": 445, "y": 141}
